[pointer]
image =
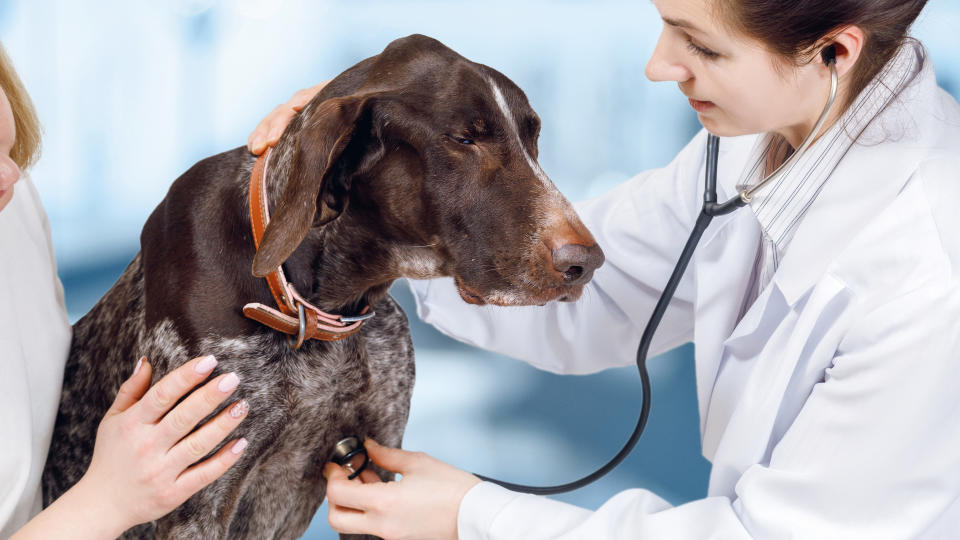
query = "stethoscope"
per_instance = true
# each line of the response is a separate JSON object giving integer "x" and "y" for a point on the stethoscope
{"x": 350, "y": 453}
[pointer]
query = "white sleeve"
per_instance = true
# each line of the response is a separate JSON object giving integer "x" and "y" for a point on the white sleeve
{"x": 873, "y": 454}
{"x": 641, "y": 226}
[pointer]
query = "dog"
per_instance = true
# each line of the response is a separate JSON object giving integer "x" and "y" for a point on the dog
{"x": 413, "y": 163}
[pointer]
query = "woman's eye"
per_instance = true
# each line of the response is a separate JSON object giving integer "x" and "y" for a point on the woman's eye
{"x": 700, "y": 51}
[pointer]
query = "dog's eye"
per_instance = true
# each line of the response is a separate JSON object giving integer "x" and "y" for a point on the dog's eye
{"x": 459, "y": 139}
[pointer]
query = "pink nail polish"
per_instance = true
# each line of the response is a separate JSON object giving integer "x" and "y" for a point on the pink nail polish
{"x": 139, "y": 363}
{"x": 240, "y": 409}
{"x": 228, "y": 383}
{"x": 239, "y": 446}
{"x": 206, "y": 364}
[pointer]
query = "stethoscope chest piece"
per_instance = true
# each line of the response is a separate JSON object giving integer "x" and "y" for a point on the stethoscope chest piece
{"x": 350, "y": 454}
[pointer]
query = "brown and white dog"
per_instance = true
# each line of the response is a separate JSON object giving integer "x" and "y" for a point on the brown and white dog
{"x": 413, "y": 163}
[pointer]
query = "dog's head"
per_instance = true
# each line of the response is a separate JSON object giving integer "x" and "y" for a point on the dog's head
{"x": 437, "y": 157}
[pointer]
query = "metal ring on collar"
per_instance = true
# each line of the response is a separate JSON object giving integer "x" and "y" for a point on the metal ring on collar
{"x": 295, "y": 344}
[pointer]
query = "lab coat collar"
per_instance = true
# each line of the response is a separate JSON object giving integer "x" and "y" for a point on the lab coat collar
{"x": 868, "y": 178}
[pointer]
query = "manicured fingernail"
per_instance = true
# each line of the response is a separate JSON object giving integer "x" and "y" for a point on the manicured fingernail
{"x": 139, "y": 363}
{"x": 228, "y": 383}
{"x": 206, "y": 364}
{"x": 240, "y": 409}
{"x": 239, "y": 446}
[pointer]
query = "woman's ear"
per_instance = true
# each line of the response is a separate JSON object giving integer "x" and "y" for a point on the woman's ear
{"x": 848, "y": 44}
{"x": 320, "y": 143}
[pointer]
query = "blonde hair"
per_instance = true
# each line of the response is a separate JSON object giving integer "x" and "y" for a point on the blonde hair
{"x": 26, "y": 145}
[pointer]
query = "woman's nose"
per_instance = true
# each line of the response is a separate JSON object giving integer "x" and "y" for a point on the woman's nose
{"x": 9, "y": 173}
{"x": 663, "y": 67}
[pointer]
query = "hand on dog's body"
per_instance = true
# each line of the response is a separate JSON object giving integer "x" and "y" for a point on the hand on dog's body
{"x": 268, "y": 131}
{"x": 144, "y": 458}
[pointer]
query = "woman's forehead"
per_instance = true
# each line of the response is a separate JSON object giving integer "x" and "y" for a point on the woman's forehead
{"x": 693, "y": 15}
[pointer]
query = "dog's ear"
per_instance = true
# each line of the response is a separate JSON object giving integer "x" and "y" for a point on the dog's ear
{"x": 309, "y": 198}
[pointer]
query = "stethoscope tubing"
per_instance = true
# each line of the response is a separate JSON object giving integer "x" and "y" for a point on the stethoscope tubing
{"x": 709, "y": 210}
{"x": 703, "y": 221}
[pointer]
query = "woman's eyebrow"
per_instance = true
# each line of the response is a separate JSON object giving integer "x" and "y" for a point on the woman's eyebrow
{"x": 680, "y": 23}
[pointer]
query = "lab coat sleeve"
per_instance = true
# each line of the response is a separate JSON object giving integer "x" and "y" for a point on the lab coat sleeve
{"x": 641, "y": 226}
{"x": 873, "y": 454}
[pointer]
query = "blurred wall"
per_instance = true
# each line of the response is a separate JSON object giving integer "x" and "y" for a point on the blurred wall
{"x": 131, "y": 93}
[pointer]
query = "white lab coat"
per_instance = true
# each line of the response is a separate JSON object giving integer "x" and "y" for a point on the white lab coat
{"x": 34, "y": 340}
{"x": 830, "y": 410}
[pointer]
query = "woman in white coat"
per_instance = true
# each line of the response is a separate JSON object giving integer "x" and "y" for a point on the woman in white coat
{"x": 826, "y": 316}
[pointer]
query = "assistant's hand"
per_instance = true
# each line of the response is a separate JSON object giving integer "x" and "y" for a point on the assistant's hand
{"x": 143, "y": 460}
{"x": 422, "y": 505}
{"x": 268, "y": 131}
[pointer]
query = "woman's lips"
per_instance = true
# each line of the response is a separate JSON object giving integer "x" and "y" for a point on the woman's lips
{"x": 701, "y": 106}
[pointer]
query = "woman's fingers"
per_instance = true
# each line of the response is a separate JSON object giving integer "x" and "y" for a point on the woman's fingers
{"x": 200, "y": 475}
{"x": 302, "y": 97}
{"x": 209, "y": 435}
{"x": 392, "y": 459}
{"x": 133, "y": 388}
{"x": 344, "y": 492}
{"x": 347, "y": 520}
{"x": 269, "y": 130}
{"x": 369, "y": 477}
{"x": 172, "y": 387}
{"x": 197, "y": 406}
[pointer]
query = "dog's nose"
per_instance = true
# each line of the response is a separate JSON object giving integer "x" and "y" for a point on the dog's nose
{"x": 576, "y": 262}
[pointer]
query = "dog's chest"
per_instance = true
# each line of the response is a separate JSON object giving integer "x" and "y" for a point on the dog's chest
{"x": 302, "y": 403}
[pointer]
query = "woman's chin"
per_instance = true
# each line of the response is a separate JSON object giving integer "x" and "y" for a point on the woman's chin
{"x": 721, "y": 128}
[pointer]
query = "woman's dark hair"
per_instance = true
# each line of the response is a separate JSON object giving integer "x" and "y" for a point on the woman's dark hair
{"x": 796, "y": 30}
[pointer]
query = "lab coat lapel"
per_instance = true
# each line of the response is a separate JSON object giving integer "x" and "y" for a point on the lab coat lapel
{"x": 862, "y": 185}
{"x": 722, "y": 272}
{"x": 864, "y": 182}
{"x": 723, "y": 269}
{"x": 755, "y": 364}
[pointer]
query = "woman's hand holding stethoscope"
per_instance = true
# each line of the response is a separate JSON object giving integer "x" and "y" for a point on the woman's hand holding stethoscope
{"x": 423, "y": 504}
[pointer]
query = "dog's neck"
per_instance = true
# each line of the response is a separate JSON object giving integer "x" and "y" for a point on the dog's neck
{"x": 340, "y": 267}
{"x": 336, "y": 269}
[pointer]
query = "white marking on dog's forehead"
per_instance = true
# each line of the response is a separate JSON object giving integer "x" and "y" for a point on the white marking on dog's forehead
{"x": 512, "y": 122}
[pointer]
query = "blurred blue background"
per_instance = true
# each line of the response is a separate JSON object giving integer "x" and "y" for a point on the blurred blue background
{"x": 133, "y": 92}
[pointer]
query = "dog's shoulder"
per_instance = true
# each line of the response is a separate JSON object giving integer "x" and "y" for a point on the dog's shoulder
{"x": 389, "y": 329}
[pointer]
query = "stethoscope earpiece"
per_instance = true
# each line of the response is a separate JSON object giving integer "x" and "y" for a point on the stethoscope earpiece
{"x": 347, "y": 452}
{"x": 829, "y": 54}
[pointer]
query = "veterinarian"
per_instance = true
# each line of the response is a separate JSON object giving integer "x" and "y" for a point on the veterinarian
{"x": 141, "y": 467}
{"x": 826, "y": 317}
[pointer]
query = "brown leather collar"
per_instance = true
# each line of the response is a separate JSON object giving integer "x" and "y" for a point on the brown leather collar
{"x": 296, "y": 316}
